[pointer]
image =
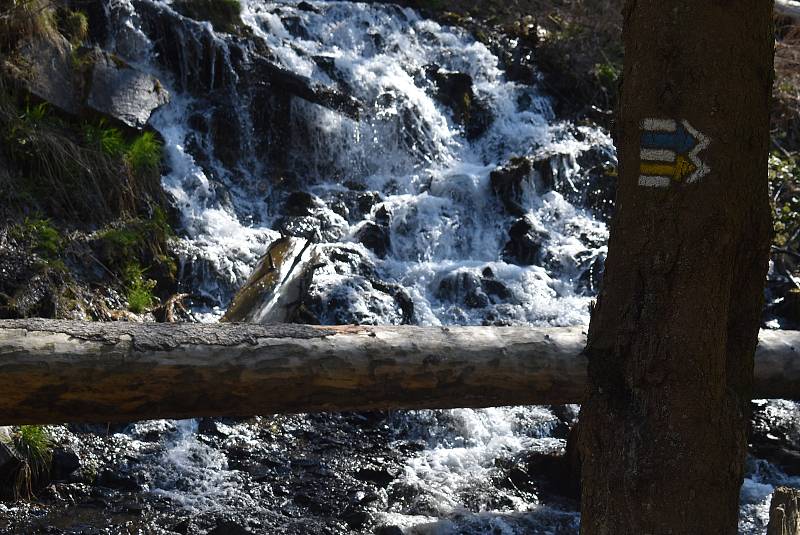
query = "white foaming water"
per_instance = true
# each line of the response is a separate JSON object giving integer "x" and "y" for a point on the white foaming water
{"x": 446, "y": 224}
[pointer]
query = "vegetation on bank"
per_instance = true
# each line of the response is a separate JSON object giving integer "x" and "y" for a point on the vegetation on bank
{"x": 83, "y": 212}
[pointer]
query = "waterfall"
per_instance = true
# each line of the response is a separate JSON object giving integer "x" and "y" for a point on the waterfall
{"x": 436, "y": 191}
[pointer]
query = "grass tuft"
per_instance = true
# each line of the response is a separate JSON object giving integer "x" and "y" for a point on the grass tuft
{"x": 34, "y": 445}
{"x": 144, "y": 154}
{"x": 139, "y": 289}
{"x": 75, "y": 26}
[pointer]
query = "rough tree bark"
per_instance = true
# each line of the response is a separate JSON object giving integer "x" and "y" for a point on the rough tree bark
{"x": 673, "y": 334}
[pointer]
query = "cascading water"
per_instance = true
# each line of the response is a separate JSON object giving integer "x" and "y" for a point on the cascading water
{"x": 453, "y": 196}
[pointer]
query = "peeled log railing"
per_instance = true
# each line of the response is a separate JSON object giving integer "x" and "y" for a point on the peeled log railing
{"x": 61, "y": 371}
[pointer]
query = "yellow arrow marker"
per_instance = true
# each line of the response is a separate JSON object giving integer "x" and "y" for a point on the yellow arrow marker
{"x": 677, "y": 171}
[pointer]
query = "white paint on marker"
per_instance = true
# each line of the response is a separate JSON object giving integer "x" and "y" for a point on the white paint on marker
{"x": 658, "y": 155}
{"x": 654, "y": 181}
{"x": 659, "y": 125}
{"x": 703, "y": 141}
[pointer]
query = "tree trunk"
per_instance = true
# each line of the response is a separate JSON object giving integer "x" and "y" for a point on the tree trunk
{"x": 672, "y": 337}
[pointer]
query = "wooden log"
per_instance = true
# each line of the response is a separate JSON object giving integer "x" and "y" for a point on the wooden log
{"x": 60, "y": 371}
{"x": 784, "y": 512}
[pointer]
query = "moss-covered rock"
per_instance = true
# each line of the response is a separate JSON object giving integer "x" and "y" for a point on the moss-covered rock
{"x": 224, "y": 15}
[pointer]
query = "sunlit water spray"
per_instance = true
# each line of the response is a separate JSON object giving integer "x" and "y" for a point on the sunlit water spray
{"x": 446, "y": 224}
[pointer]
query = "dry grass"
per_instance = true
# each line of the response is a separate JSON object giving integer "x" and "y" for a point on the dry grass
{"x": 23, "y": 19}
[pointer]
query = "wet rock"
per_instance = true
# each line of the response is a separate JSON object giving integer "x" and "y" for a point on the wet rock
{"x": 455, "y": 90}
{"x": 305, "y": 6}
{"x": 510, "y": 182}
{"x": 113, "y": 479}
{"x": 300, "y": 203}
{"x": 187, "y": 49}
{"x": 472, "y": 290}
{"x": 346, "y": 289}
{"x": 223, "y": 16}
{"x": 226, "y": 135}
{"x": 463, "y": 287}
{"x": 356, "y": 520}
{"x": 10, "y": 460}
{"x": 307, "y": 216}
{"x": 378, "y": 476}
{"x": 374, "y": 237}
{"x": 122, "y": 92}
{"x": 598, "y": 181}
{"x": 525, "y": 245}
{"x": 49, "y": 73}
{"x": 787, "y": 307}
{"x": 388, "y": 530}
{"x": 775, "y": 434}
{"x": 65, "y": 462}
{"x": 229, "y": 528}
{"x": 592, "y": 277}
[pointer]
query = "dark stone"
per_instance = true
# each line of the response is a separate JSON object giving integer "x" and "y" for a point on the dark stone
{"x": 592, "y": 277}
{"x": 465, "y": 288}
{"x": 299, "y": 203}
{"x": 379, "y": 476}
{"x": 10, "y": 459}
{"x": 226, "y": 134}
{"x": 495, "y": 288}
{"x": 229, "y": 528}
{"x": 388, "y": 530}
{"x": 507, "y": 184}
{"x": 64, "y": 463}
{"x": 454, "y": 90}
{"x": 305, "y": 6}
{"x": 598, "y": 181}
{"x": 114, "y": 480}
{"x": 366, "y": 200}
{"x": 525, "y": 245}
{"x": 775, "y": 434}
{"x": 375, "y": 237}
{"x": 356, "y": 520}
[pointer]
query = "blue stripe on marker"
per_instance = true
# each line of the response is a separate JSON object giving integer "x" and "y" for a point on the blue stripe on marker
{"x": 681, "y": 140}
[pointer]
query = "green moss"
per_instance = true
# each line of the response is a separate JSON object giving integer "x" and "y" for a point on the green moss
{"x": 46, "y": 238}
{"x": 139, "y": 290}
{"x": 75, "y": 26}
{"x": 224, "y": 15}
{"x": 144, "y": 154}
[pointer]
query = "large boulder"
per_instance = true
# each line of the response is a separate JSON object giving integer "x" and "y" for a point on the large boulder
{"x": 125, "y": 93}
{"x": 81, "y": 81}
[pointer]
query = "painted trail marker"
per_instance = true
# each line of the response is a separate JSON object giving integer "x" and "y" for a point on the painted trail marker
{"x": 670, "y": 153}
